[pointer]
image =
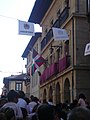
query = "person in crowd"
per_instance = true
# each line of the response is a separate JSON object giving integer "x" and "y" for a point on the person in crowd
{"x": 27, "y": 101}
{"x": 45, "y": 101}
{"x": 32, "y": 104}
{"x": 22, "y": 103}
{"x": 7, "y": 114}
{"x": 31, "y": 97}
{"x": 12, "y": 97}
{"x": 58, "y": 112}
{"x": 32, "y": 116}
{"x": 82, "y": 100}
{"x": 21, "y": 100}
{"x": 74, "y": 104}
{"x": 50, "y": 102}
{"x": 45, "y": 112}
{"x": 79, "y": 113}
{"x": 2, "y": 116}
{"x": 3, "y": 101}
{"x": 65, "y": 111}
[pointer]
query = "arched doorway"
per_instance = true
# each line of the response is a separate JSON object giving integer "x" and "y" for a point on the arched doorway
{"x": 58, "y": 98}
{"x": 50, "y": 93}
{"x": 44, "y": 94}
{"x": 67, "y": 90}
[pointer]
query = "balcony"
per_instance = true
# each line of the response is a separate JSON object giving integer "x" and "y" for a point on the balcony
{"x": 55, "y": 68}
{"x": 48, "y": 72}
{"x": 62, "y": 64}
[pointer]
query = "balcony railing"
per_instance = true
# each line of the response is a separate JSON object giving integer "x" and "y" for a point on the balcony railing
{"x": 48, "y": 72}
{"x": 62, "y": 17}
{"x": 55, "y": 68}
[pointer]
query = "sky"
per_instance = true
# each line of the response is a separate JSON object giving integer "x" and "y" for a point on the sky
{"x": 12, "y": 45}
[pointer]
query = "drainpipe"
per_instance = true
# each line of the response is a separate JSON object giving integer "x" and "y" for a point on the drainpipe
{"x": 72, "y": 58}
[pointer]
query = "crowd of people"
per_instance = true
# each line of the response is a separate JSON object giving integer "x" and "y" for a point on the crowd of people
{"x": 16, "y": 106}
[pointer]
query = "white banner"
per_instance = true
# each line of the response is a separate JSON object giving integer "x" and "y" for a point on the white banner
{"x": 26, "y": 28}
{"x": 87, "y": 49}
{"x": 60, "y": 34}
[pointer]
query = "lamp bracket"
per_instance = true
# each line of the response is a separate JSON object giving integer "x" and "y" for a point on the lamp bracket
{"x": 56, "y": 46}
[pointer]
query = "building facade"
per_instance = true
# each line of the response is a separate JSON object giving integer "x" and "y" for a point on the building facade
{"x": 67, "y": 71}
{"x": 15, "y": 82}
{"x": 32, "y": 87}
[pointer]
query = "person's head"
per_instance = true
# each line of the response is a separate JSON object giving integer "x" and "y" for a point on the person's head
{"x": 79, "y": 113}
{"x": 81, "y": 95}
{"x": 45, "y": 112}
{"x": 50, "y": 100}
{"x": 31, "y": 97}
{"x": 2, "y": 116}
{"x": 12, "y": 96}
{"x": 21, "y": 94}
{"x": 7, "y": 114}
{"x": 3, "y": 101}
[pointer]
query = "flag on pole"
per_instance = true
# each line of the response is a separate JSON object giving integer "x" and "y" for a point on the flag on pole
{"x": 26, "y": 28}
{"x": 33, "y": 68}
{"x": 60, "y": 34}
{"x": 38, "y": 59}
{"x": 87, "y": 49}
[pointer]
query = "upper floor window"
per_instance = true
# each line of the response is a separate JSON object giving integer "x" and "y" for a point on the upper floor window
{"x": 66, "y": 2}
{"x": 67, "y": 47}
{"x": 58, "y": 13}
{"x": 18, "y": 86}
{"x": 51, "y": 23}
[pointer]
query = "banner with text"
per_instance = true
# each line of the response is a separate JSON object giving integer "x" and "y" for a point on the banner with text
{"x": 26, "y": 28}
{"x": 87, "y": 49}
{"x": 60, "y": 34}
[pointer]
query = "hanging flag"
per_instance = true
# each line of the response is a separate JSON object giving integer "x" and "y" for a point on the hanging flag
{"x": 26, "y": 28}
{"x": 87, "y": 49}
{"x": 33, "y": 68}
{"x": 38, "y": 59}
{"x": 60, "y": 34}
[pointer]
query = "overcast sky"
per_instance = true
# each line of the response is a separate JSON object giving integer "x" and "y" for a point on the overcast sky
{"x": 12, "y": 45}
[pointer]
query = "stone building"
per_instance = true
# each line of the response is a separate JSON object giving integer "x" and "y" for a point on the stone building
{"x": 32, "y": 86}
{"x": 67, "y": 72}
{"x": 15, "y": 82}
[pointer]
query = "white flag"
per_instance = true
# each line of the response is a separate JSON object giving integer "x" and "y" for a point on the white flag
{"x": 87, "y": 49}
{"x": 26, "y": 28}
{"x": 60, "y": 34}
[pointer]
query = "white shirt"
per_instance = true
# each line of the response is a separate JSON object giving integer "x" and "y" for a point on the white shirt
{"x": 81, "y": 102}
{"x": 22, "y": 103}
{"x": 31, "y": 106}
{"x": 15, "y": 107}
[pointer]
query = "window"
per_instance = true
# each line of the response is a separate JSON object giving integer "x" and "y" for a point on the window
{"x": 18, "y": 86}
{"x": 51, "y": 23}
{"x": 67, "y": 47}
{"x": 66, "y": 2}
{"x": 51, "y": 59}
{"x": 58, "y": 13}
